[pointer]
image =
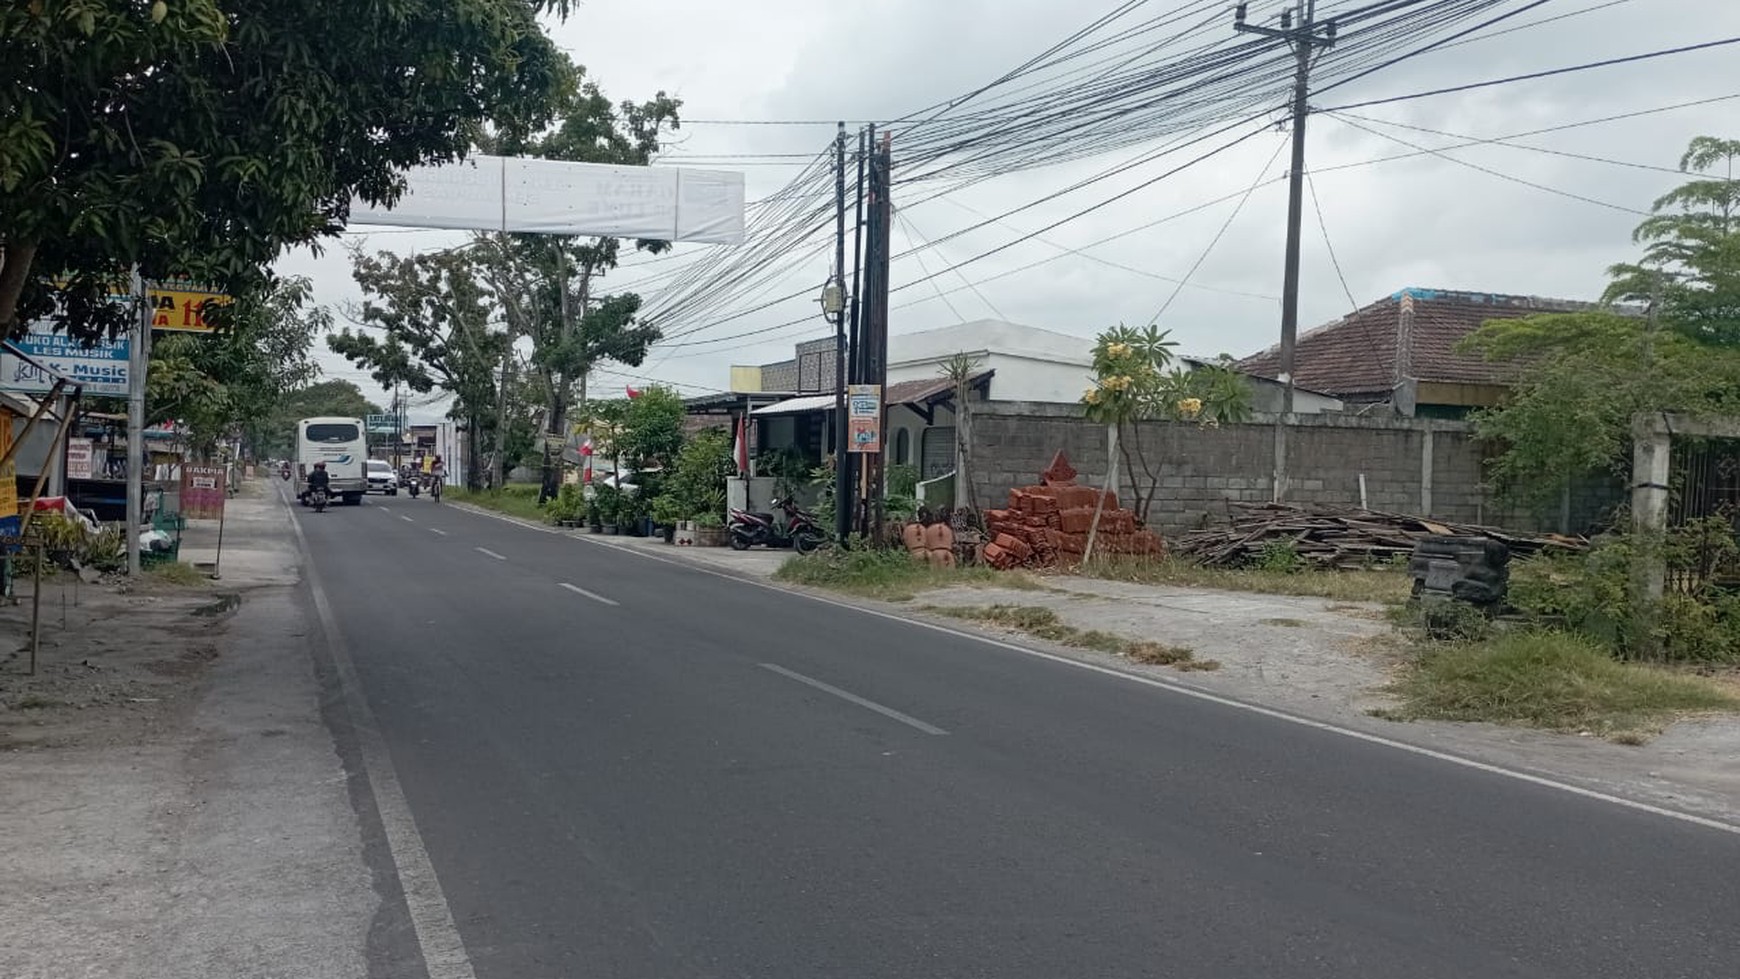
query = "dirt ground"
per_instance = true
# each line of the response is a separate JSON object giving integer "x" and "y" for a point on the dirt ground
{"x": 175, "y": 804}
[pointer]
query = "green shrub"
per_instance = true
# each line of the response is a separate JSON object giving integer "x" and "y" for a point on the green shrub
{"x": 1280, "y": 556}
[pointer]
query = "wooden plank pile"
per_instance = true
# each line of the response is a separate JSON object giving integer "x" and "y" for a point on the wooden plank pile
{"x": 1340, "y": 537}
{"x": 1047, "y": 525}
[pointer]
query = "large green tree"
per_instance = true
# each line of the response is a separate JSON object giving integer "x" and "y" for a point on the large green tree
{"x": 428, "y": 322}
{"x": 1673, "y": 346}
{"x": 276, "y": 435}
{"x": 1691, "y": 261}
{"x": 551, "y": 286}
{"x": 228, "y": 382}
{"x": 205, "y": 136}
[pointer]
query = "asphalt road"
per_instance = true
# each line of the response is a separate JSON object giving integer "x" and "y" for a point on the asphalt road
{"x": 626, "y": 768}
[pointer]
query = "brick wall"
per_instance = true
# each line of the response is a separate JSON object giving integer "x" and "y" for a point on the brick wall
{"x": 1411, "y": 465}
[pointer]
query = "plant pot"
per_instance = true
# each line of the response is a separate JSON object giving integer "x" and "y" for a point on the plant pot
{"x": 670, "y": 533}
{"x": 711, "y": 536}
{"x": 609, "y": 528}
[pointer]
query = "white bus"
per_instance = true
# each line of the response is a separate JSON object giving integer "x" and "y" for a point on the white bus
{"x": 340, "y": 443}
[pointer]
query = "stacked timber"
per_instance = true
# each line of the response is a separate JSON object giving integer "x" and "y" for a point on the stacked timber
{"x": 1341, "y": 537}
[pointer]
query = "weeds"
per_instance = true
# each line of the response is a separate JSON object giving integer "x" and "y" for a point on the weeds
{"x": 1376, "y": 585}
{"x": 1552, "y": 680}
{"x": 887, "y": 575}
{"x": 1285, "y": 623}
{"x": 36, "y": 701}
{"x": 177, "y": 573}
{"x": 1043, "y": 623}
{"x": 515, "y": 501}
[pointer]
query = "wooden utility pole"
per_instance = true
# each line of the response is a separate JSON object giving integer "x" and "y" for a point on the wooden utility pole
{"x": 1305, "y": 38}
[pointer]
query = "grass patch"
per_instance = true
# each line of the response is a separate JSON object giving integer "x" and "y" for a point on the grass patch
{"x": 891, "y": 576}
{"x": 515, "y": 501}
{"x": 1285, "y": 623}
{"x": 1376, "y": 585}
{"x": 36, "y": 701}
{"x": 1550, "y": 680}
{"x": 177, "y": 573}
{"x": 1043, "y": 623}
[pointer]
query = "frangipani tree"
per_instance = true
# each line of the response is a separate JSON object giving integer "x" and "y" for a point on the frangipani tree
{"x": 1137, "y": 379}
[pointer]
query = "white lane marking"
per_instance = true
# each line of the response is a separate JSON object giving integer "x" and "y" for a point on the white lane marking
{"x": 406, "y": 519}
{"x": 489, "y": 553}
{"x": 888, "y": 712}
{"x": 383, "y": 508}
{"x": 444, "y": 955}
{"x": 1188, "y": 691}
{"x": 432, "y": 530}
{"x": 576, "y": 589}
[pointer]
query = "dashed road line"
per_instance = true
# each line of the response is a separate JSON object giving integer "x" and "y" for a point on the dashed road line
{"x": 486, "y": 552}
{"x": 576, "y": 589}
{"x": 853, "y": 698}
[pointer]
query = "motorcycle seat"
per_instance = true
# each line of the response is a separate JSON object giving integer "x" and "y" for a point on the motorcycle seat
{"x": 763, "y": 516}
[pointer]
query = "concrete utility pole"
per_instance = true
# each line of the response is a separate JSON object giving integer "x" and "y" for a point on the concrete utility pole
{"x": 1305, "y": 38}
{"x": 137, "y": 353}
{"x": 834, "y": 302}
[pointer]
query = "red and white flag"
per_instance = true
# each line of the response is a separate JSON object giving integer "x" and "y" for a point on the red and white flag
{"x": 740, "y": 451}
{"x": 586, "y": 455}
{"x": 631, "y": 391}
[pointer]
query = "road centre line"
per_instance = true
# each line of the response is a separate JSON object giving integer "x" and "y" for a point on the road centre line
{"x": 486, "y": 552}
{"x": 406, "y": 519}
{"x": 576, "y": 589}
{"x": 432, "y": 530}
{"x": 887, "y": 712}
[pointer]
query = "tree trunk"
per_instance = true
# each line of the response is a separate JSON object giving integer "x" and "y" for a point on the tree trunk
{"x": 17, "y": 258}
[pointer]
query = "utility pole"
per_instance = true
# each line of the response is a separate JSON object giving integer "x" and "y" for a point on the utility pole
{"x": 1305, "y": 38}
{"x": 874, "y": 329}
{"x": 834, "y": 302}
{"x": 138, "y": 353}
{"x": 553, "y": 426}
{"x": 846, "y": 500}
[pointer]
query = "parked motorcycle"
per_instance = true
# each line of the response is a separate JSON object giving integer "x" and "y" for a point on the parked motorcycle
{"x": 799, "y": 528}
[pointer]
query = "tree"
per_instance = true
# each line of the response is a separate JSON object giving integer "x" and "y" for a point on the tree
{"x": 1587, "y": 374}
{"x": 437, "y": 329}
{"x": 203, "y": 138}
{"x": 276, "y": 435}
{"x": 1691, "y": 262}
{"x": 549, "y": 285}
{"x": 229, "y": 381}
{"x": 1135, "y": 382}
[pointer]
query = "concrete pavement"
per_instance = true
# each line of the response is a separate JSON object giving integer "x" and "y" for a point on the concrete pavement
{"x": 629, "y": 767}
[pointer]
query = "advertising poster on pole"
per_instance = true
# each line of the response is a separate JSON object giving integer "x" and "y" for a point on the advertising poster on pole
{"x": 202, "y": 492}
{"x": 864, "y": 418}
{"x": 81, "y": 459}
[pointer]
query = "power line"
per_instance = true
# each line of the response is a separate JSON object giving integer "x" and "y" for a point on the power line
{"x": 912, "y": 238}
{"x": 1496, "y": 173}
{"x": 1609, "y": 62}
{"x": 1328, "y": 245}
{"x": 1477, "y": 141}
{"x": 1240, "y": 206}
{"x": 912, "y": 229}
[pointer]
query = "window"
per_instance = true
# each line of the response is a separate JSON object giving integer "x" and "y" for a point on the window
{"x": 902, "y": 447}
{"x": 333, "y": 432}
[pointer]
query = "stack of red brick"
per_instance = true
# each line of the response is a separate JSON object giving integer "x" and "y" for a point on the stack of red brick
{"x": 1047, "y": 525}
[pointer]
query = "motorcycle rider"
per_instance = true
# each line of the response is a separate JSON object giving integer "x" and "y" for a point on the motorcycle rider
{"x": 319, "y": 480}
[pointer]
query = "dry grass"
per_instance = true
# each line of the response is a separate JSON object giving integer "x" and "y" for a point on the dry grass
{"x": 177, "y": 573}
{"x": 890, "y": 576}
{"x": 1378, "y": 585}
{"x": 1043, "y": 623}
{"x": 1551, "y": 680}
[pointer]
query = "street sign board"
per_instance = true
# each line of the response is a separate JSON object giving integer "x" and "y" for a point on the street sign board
{"x": 81, "y": 459}
{"x": 382, "y": 424}
{"x": 101, "y": 368}
{"x": 202, "y": 492}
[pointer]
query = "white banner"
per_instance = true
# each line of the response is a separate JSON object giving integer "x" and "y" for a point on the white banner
{"x": 494, "y": 193}
{"x": 100, "y": 368}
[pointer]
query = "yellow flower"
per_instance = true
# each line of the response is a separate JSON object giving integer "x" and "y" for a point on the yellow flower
{"x": 1120, "y": 350}
{"x": 1190, "y": 407}
{"x": 1091, "y": 396}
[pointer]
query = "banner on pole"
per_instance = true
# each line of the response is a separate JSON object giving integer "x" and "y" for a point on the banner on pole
{"x": 202, "y": 492}
{"x": 100, "y": 368}
{"x": 81, "y": 459}
{"x": 864, "y": 418}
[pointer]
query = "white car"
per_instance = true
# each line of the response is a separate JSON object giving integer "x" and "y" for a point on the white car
{"x": 382, "y": 478}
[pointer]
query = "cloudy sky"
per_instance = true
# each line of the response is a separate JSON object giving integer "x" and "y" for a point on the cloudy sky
{"x": 1449, "y": 220}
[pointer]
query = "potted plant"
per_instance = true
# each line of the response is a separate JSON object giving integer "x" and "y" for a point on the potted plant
{"x": 709, "y": 530}
{"x": 667, "y": 513}
{"x": 608, "y": 500}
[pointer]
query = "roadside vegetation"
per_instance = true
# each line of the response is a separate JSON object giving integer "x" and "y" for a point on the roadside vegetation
{"x": 1552, "y": 680}
{"x": 888, "y": 575}
{"x": 1043, "y": 623}
{"x": 178, "y": 573}
{"x": 1379, "y": 585}
{"x": 514, "y": 500}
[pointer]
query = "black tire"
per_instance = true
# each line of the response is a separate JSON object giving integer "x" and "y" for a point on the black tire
{"x": 353, "y": 499}
{"x": 807, "y": 543}
{"x": 739, "y": 542}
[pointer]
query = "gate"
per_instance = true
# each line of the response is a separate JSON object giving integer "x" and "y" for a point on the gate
{"x": 1705, "y": 484}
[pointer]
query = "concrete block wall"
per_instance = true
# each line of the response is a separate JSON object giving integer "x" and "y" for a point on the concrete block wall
{"x": 1417, "y": 466}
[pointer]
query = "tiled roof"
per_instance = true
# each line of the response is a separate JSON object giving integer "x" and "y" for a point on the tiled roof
{"x": 927, "y": 389}
{"x": 1356, "y": 355}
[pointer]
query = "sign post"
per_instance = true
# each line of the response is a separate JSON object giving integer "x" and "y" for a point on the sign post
{"x": 864, "y": 418}
{"x": 135, "y": 390}
{"x": 203, "y": 490}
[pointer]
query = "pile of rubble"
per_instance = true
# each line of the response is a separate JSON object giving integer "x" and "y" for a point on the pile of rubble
{"x": 1047, "y": 525}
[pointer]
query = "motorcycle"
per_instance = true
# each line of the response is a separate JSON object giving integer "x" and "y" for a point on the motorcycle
{"x": 285, "y": 472}
{"x": 799, "y": 529}
{"x": 317, "y": 499}
{"x": 413, "y": 483}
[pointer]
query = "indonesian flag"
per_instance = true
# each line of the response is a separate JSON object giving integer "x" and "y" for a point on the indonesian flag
{"x": 740, "y": 451}
{"x": 631, "y": 391}
{"x": 586, "y": 454}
